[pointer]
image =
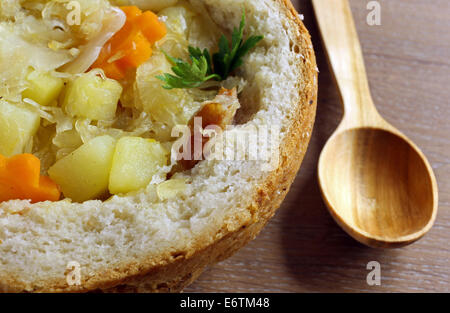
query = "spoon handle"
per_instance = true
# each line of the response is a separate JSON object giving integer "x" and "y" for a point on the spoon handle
{"x": 345, "y": 55}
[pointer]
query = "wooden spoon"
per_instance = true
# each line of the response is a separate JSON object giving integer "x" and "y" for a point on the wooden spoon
{"x": 378, "y": 186}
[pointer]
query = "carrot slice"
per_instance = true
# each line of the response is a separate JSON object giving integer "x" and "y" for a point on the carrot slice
{"x": 137, "y": 50}
{"x": 131, "y": 11}
{"x": 132, "y": 45}
{"x": 113, "y": 70}
{"x": 151, "y": 26}
{"x": 48, "y": 190}
{"x": 20, "y": 179}
{"x": 24, "y": 168}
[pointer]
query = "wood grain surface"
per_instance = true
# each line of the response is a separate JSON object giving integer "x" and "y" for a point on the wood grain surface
{"x": 302, "y": 249}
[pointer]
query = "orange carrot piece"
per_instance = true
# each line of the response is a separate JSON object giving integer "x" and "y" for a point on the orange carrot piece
{"x": 48, "y": 190}
{"x": 132, "y": 45}
{"x": 24, "y": 168}
{"x": 151, "y": 26}
{"x": 113, "y": 70}
{"x": 104, "y": 55}
{"x": 131, "y": 11}
{"x": 131, "y": 49}
{"x": 7, "y": 192}
{"x": 20, "y": 179}
{"x": 137, "y": 50}
{"x": 3, "y": 161}
{"x": 121, "y": 38}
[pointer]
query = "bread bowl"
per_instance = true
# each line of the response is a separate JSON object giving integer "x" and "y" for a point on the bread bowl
{"x": 144, "y": 243}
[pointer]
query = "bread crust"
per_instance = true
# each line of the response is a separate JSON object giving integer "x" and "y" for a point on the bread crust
{"x": 173, "y": 272}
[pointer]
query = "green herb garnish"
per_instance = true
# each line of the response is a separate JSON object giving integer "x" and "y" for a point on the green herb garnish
{"x": 203, "y": 68}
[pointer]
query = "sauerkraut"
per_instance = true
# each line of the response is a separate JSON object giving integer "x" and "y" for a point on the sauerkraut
{"x": 40, "y": 34}
{"x": 50, "y": 37}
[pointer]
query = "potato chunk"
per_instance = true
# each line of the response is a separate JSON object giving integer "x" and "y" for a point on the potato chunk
{"x": 136, "y": 160}
{"x": 84, "y": 174}
{"x": 92, "y": 97}
{"x": 17, "y": 126}
{"x": 43, "y": 88}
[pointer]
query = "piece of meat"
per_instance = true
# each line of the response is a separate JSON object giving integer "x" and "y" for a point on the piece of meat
{"x": 219, "y": 112}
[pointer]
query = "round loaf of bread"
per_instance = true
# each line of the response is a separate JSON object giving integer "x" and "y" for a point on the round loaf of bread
{"x": 141, "y": 243}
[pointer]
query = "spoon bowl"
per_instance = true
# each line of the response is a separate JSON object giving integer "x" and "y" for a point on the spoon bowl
{"x": 377, "y": 186}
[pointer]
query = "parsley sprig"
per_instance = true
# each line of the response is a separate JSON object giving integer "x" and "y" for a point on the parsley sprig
{"x": 204, "y": 68}
{"x": 189, "y": 75}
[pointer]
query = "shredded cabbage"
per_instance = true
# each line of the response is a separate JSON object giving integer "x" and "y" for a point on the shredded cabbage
{"x": 25, "y": 55}
{"x": 113, "y": 22}
{"x": 38, "y": 34}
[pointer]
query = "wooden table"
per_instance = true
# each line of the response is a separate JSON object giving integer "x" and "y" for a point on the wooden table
{"x": 302, "y": 249}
